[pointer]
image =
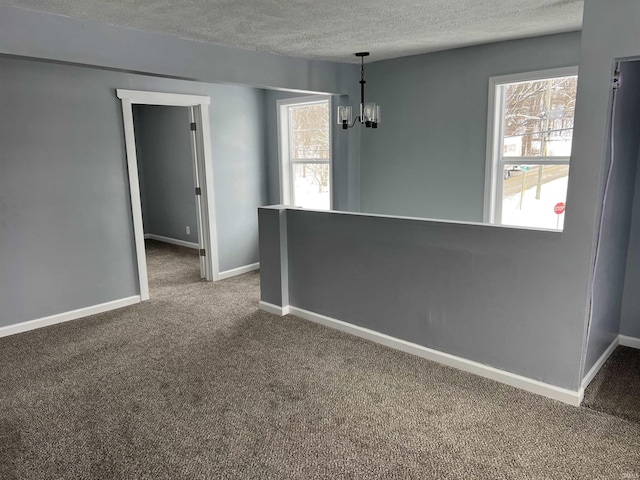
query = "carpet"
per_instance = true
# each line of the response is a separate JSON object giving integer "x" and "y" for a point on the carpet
{"x": 197, "y": 383}
{"x": 616, "y": 388}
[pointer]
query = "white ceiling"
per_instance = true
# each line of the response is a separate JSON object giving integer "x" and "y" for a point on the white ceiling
{"x": 331, "y": 29}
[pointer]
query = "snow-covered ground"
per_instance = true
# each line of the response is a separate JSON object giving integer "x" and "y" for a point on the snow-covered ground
{"x": 536, "y": 213}
{"x": 306, "y": 194}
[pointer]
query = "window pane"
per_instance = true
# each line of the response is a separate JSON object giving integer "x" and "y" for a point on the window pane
{"x": 311, "y": 186}
{"x": 538, "y": 117}
{"x": 310, "y": 131}
{"x": 530, "y": 193}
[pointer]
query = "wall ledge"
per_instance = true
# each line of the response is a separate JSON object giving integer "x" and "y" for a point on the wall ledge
{"x": 417, "y": 219}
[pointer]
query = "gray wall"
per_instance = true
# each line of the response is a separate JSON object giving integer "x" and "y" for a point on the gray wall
{"x": 616, "y": 220}
{"x": 55, "y": 37}
{"x": 609, "y": 32}
{"x": 499, "y": 296}
{"x": 273, "y": 254}
{"x": 58, "y": 38}
{"x": 630, "y": 317}
{"x": 428, "y": 157}
{"x": 240, "y": 171}
{"x": 66, "y": 234}
{"x": 165, "y": 167}
{"x": 515, "y": 299}
{"x": 271, "y": 121}
{"x": 68, "y": 244}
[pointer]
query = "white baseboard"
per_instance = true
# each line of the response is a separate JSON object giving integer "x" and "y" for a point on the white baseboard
{"x": 238, "y": 271}
{"x": 173, "y": 241}
{"x": 598, "y": 365}
{"x": 632, "y": 342}
{"x": 275, "y": 309}
{"x": 67, "y": 316}
{"x": 551, "y": 391}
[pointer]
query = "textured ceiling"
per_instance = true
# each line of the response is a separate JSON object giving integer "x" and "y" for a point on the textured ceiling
{"x": 331, "y": 29}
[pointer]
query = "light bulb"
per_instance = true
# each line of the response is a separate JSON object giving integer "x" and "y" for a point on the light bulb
{"x": 344, "y": 114}
{"x": 369, "y": 112}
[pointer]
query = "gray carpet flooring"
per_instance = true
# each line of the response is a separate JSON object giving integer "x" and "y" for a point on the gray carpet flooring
{"x": 198, "y": 384}
{"x": 616, "y": 388}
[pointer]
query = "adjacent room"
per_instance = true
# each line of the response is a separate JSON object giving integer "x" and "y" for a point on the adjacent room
{"x": 247, "y": 240}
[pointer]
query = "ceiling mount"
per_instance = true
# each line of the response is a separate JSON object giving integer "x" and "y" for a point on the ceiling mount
{"x": 362, "y": 54}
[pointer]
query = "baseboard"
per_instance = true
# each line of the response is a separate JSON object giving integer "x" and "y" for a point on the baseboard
{"x": 632, "y": 342}
{"x": 598, "y": 365}
{"x": 275, "y": 309}
{"x": 173, "y": 241}
{"x": 238, "y": 271}
{"x": 551, "y": 391}
{"x": 67, "y": 316}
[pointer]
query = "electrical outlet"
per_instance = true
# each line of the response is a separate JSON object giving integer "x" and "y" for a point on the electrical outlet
{"x": 188, "y": 230}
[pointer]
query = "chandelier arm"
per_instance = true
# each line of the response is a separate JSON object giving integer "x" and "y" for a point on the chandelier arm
{"x": 345, "y": 125}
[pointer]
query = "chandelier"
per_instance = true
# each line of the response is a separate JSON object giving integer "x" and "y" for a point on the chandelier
{"x": 369, "y": 111}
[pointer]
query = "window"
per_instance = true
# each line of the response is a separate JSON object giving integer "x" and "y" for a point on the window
{"x": 305, "y": 152}
{"x": 529, "y": 145}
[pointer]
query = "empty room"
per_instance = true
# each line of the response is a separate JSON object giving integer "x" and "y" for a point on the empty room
{"x": 319, "y": 240}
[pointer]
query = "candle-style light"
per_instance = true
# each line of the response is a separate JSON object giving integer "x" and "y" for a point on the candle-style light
{"x": 369, "y": 112}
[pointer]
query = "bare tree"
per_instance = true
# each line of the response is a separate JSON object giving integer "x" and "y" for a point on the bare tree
{"x": 527, "y": 105}
{"x": 310, "y": 131}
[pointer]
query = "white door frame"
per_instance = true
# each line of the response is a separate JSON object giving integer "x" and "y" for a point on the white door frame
{"x": 201, "y": 114}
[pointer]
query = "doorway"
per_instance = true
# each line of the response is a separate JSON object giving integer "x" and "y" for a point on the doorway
{"x": 202, "y": 177}
{"x": 612, "y": 362}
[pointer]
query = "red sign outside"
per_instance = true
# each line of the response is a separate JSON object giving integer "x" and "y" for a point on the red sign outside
{"x": 559, "y": 208}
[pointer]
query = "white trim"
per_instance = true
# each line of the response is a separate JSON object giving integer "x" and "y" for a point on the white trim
{"x": 632, "y": 342}
{"x": 283, "y": 154}
{"x": 208, "y": 197}
{"x": 67, "y": 316}
{"x": 173, "y": 241}
{"x": 238, "y": 271}
{"x": 201, "y": 112}
{"x": 284, "y": 161}
{"x": 134, "y": 193}
{"x": 197, "y": 199}
{"x": 534, "y": 386}
{"x": 552, "y": 231}
{"x": 490, "y": 167}
{"x": 275, "y": 309}
{"x": 536, "y": 74}
{"x": 493, "y": 165}
{"x": 598, "y": 365}
{"x": 162, "y": 98}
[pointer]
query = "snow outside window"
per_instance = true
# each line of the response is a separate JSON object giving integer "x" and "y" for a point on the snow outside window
{"x": 530, "y": 139}
{"x": 305, "y": 152}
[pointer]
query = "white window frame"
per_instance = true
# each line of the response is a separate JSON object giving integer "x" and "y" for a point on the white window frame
{"x": 284, "y": 148}
{"x": 494, "y": 168}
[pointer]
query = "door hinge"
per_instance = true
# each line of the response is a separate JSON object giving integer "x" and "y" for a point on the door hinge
{"x": 617, "y": 79}
{"x": 192, "y": 126}
{"x": 203, "y": 252}
{"x": 198, "y": 191}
